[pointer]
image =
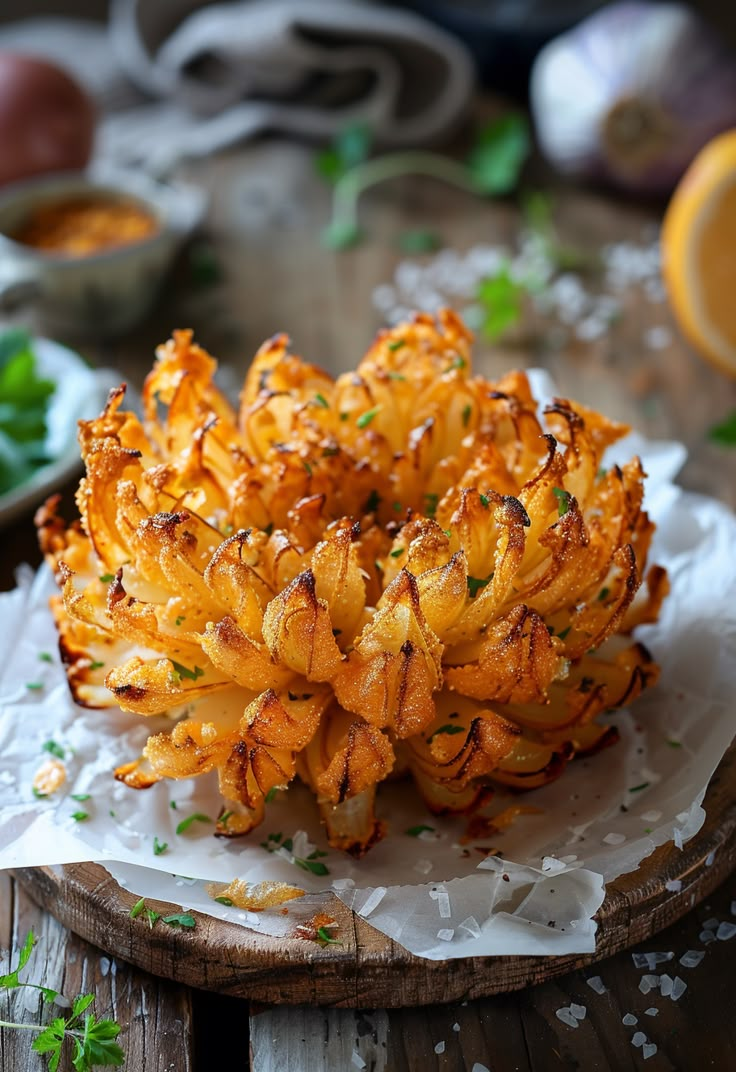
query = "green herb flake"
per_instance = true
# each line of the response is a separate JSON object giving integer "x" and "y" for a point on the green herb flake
{"x": 485, "y": 501}
{"x": 325, "y": 937}
{"x": 396, "y": 376}
{"x": 398, "y": 552}
{"x": 499, "y": 153}
{"x": 397, "y": 507}
{"x": 159, "y": 847}
{"x": 173, "y": 805}
{"x": 106, "y": 578}
{"x": 674, "y": 744}
{"x": 449, "y": 729}
{"x": 315, "y": 866}
{"x": 365, "y": 418}
{"x": 226, "y": 816}
{"x": 321, "y": 401}
{"x": 638, "y": 788}
{"x": 34, "y": 686}
{"x": 80, "y": 816}
{"x": 724, "y": 434}
{"x": 180, "y": 618}
{"x": 81, "y": 797}
{"x": 271, "y": 794}
{"x": 421, "y": 240}
{"x": 563, "y": 500}
{"x": 185, "y": 672}
{"x": 45, "y": 657}
{"x": 224, "y": 901}
{"x": 196, "y": 818}
{"x": 181, "y": 919}
{"x": 431, "y": 502}
{"x": 564, "y": 632}
{"x": 307, "y": 467}
{"x": 466, "y": 415}
{"x": 396, "y": 344}
{"x": 137, "y": 908}
{"x": 603, "y": 594}
{"x": 152, "y": 916}
{"x": 38, "y": 794}
{"x": 415, "y": 831}
{"x": 476, "y": 583}
{"x": 54, "y": 749}
{"x": 96, "y": 664}
{"x": 372, "y": 502}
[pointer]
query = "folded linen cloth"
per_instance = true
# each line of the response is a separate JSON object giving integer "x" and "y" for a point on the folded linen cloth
{"x": 226, "y": 71}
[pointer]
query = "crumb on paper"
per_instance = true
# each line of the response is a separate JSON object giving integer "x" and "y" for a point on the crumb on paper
{"x": 254, "y": 898}
{"x": 49, "y": 777}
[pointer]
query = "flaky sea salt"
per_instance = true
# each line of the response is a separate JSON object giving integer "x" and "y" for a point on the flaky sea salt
{"x": 456, "y": 1026}
{"x": 666, "y": 983}
{"x": 446, "y": 934}
{"x": 706, "y": 936}
{"x": 478, "y": 1067}
{"x": 440, "y": 1047}
{"x": 373, "y": 901}
{"x": 343, "y": 883}
{"x": 648, "y": 1050}
{"x": 566, "y": 1016}
{"x": 648, "y": 982}
{"x": 677, "y": 837}
{"x": 578, "y": 1011}
{"x": 710, "y": 858}
{"x": 638, "y": 1039}
{"x": 423, "y": 867}
{"x": 596, "y": 983}
{"x": 471, "y": 926}
{"x": 726, "y": 930}
{"x": 692, "y": 958}
{"x": 629, "y": 1019}
{"x": 657, "y": 337}
{"x": 712, "y": 923}
{"x": 440, "y": 895}
{"x": 651, "y": 816}
{"x": 357, "y": 1060}
{"x": 678, "y": 988}
{"x": 614, "y": 839}
{"x": 674, "y": 885}
{"x": 651, "y": 1011}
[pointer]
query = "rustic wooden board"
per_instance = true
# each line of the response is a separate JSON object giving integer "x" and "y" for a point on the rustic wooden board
{"x": 368, "y": 969}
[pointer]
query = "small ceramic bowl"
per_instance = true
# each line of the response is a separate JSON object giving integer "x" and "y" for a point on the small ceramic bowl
{"x": 102, "y": 293}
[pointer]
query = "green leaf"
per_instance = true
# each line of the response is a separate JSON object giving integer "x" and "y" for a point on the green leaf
{"x": 372, "y": 502}
{"x": 80, "y": 816}
{"x": 98, "y": 1046}
{"x": 321, "y": 401}
{"x": 349, "y": 148}
{"x": 82, "y": 1003}
{"x": 224, "y": 901}
{"x": 137, "y": 908}
{"x": 9, "y": 981}
{"x": 196, "y": 818}
{"x": 419, "y": 241}
{"x": 724, "y": 434}
{"x": 476, "y": 583}
{"x": 397, "y": 553}
{"x": 181, "y": 919}
{"x": 563, "y": 500}
{"x": 499, "y": 154}
{"x": 325, "y": 937}
{"x": 152, "y": 917}
{"x": 96, "y": 665}
{"x": 415, "y": 831}
{"x": 270, "y": 795}
{"x": 340, "y": 234}
{"x": 184, "y": 671}
{"x": 501, "y": 299}
{"x": 365, "y": 418}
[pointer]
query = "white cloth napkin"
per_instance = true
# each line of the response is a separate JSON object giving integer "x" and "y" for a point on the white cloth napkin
{"x": 182, "y": 78}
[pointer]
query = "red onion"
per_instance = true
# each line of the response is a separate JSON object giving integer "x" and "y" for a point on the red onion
{"x": 632, "y": 93}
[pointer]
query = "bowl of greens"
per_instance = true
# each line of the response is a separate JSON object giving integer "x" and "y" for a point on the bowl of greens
{"x": 45, "y": 389}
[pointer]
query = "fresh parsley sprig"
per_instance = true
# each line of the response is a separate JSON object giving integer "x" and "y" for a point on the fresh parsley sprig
{"x": 93, "y": 1041}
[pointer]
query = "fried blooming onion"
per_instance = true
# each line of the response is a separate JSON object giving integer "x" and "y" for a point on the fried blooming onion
{"x": 400, "y": 569}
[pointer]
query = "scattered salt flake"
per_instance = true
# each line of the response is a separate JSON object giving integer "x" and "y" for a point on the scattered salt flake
{"x": 710, "y": 858}
{"x": 692, "y": 958}
{"x": 707, "y": 936}
{"x": 596, "y": 983}
{"x": 651, "y": 816}
{"x": 357, "y": 1060}
{"x": 651, "y": 1011}
{"x": 657, "y": 337}
{"x": 659, "y": 958}
{"x": 726, "y": 930}
{"x": 678, "y": 988}
{"x": 456, "y": 1026}
{"x": 566, "y": 1016}
{"x": 104, "y": 966}
{"x": 578, "y": 1011}
{"x": 677, "y": 837}
{"x": 440, "y": 1047}
{"x": 373, "y": 901}
{"x": 440, "y": 895}
{"x": 478, "y": 1067}
{"x": 666, "y": 984}
{"x": 471, "y": 926}
{"x": 638, "y": 1039}
{"x": 614, "y": 839}
{"x": 343, "y": 883}
{"x": 446, "y": 934}
{"x": 648, "y": 1050}
{"x": 552, "y": 866}
{"x": 733, "y": 908}
{"x": 674, "y": 885}
{"x": 641, "y": 960}
{"x": 648, "y": 982}
{"x": 629, "y": 1019}
{"x": 711, "y": 924}
{"x": 423, "y": 867}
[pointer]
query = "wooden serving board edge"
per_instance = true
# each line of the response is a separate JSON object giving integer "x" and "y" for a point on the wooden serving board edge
{"x": 369, "y": 970}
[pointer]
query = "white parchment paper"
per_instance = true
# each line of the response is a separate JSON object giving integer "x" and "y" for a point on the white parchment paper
{"x": 438, "y": 897}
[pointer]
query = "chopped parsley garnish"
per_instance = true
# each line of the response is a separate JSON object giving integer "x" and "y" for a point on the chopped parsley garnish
{"x": 372, "y": 502}
{"x": 224, "y": 901}
{"x": 137, "y": 908}
{"x": 80, "y": 816}
{"x": 45, "y": 657}
{"x": 467, "y": 411}
{"x": 330, "y": 452}
{"x": 38, "y": 794}
{"x": 34, "y": 686}
{"x": 226, "y": 815}
{"x": 456, "y": 363}
{"x": 180, "y": 919}
{"x": 81, "y": 797}
{"x": 106, "y": 578}
{"x": 54, "y": 749}
{"x": 271, "y": 794}
{"x": 396, "y": 345}
{"x": 397, "y": 507}
{"x": 415, "y": 831}
{"x": 321, "y": 401}
{"x": 344, "y": 416}
{"x": 431, "y": 502}
{"x": 365, "y": 418}
{"x": 96, "y": 664}
{"x": 476, "y": 583}
{"x": 308, "y": 468}
{"x": 724, "y": 434}
{"x": 603, "y": 594}
{"x": 184, "y": 671}
{"x": 637, "y": 788}
{"x": 563, "y": 500}
{"x": 159, "y": 847}
{"x": 674, "y": 744}
{"x": 449, "y": 729}
{"x": 485, "y": 501}
{"x": 563, "y": 633}
{"x": 173, "y": 805}
{"x": 397, "y": 552}
{"x": 180, "y": 618}
{"x": 396, "y": 376}
{"x": 196, "y": 818}
{"x": 324, "y": 937}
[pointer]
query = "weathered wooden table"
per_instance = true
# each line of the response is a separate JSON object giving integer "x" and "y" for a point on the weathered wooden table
{"x": 266, "y": 211}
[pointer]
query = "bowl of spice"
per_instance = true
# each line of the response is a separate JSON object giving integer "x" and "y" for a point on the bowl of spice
{"x": 91, "y": 250}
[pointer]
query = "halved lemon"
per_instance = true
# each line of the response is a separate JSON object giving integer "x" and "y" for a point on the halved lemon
{"x": 699, "y": 252}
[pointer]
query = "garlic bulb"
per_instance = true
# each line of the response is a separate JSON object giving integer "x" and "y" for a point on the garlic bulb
{"x": 632, "y": 93}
